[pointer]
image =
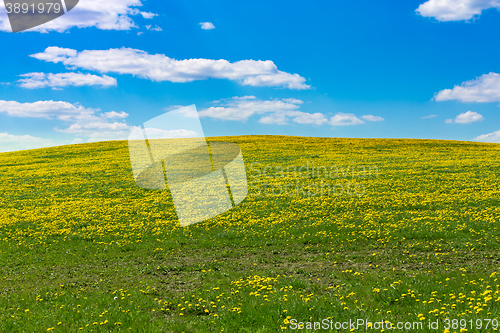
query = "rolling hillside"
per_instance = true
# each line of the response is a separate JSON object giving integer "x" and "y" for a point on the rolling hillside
{"x": 372, "y": 229}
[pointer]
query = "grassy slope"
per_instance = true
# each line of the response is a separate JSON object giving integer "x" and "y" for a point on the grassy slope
{"x": 84, "y": 249}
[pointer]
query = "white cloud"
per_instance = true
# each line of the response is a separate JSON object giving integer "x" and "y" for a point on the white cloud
{"x": 155, "y": 133}
{"x": 429, "y": 116}
{"x": 276, "y": 111}
{"x": 455, "y": 10}
{"x": 275, "y": 119}
{"x": 155, "y": 28}
{"x": 466, "y": 118}
{"x": 107, "y": 135}
{"x": 483, "y": 89}
{"x": 99, "y": 130}
{"x": 183, "y": 110}
{"x": 299, "y": 117}
{"x": 45, "y": 109}
{"x": 115, "y": 115}
{"x": 85, "y": 121}
{"x": 242, "y": 108}
{"x": 292, "y": 100}
{"x": 345, "y": 119}
{"x": 207, "y": 25}
{"x": 42, "y": 80}
{"x": 148, "y": 15}
{"x": 55, "y": 54}
{"x": 490, "y": 137}
{"x": 308, "y": 118}
{"x": 86, "y": 127}
{"x": 9, "y": 142}
{"x": 369, "y": 117}
{"x": 104, "y": 15}
{"x": 94, "y": 125}
{"x": 158, "y": 67}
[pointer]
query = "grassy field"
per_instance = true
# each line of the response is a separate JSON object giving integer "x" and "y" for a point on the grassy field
{"x": 413, "y": 237}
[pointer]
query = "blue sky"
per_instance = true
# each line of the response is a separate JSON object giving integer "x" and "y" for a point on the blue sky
{"x": 393, "y": 69}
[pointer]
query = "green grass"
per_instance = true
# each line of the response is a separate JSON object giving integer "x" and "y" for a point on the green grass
{"x": 83, "y": 249}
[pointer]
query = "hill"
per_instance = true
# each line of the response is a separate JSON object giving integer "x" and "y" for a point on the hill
{"x": 338, "y": 229}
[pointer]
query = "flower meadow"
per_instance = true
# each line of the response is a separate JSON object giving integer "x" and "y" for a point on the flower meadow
{"x": 83, "y": 249}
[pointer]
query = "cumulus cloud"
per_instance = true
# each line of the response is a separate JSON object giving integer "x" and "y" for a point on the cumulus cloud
{"x": 115, "y": 115}
{"x": 455, "y": 10}
{"x": 97, "y": 136}
{"x": 299, "y": 117}
{"x": 483, "y": 89}
{"x": 276, "y": 111}
{"x": 183, "y": 110}
{"x": 148, "y": 15}
{"x": 308, "y": 118}
{"x": 45, "y": 109}
{"x": 85, "y": 127}
{"x": 99, "y": 130}
{"x": 490, "y": 137}
{"x": 155, "y": 28}
{"x": 103, "y": 15}
{"x": 466, "y": 118}
{"x": 9, "y": 142}
{"x": 155, "y": 133}
{"x": 345, "y": 119}
{"x": 96, "y": 125}
{"x": 81, "y": 120}
{"x": 207, "y": 25}
{"x": 55, "y": 81}
{"x": 242, "y": 108}
{"x": 369, "y": 117}
{"x": 158, "y": 67}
